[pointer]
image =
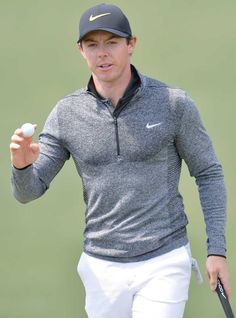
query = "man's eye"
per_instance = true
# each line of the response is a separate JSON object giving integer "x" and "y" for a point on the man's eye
{"x": 92, "y": 45}
{"x": 112, "y": 42}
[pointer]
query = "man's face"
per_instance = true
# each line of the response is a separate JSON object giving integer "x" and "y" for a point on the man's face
{"x": 107, "y": 56}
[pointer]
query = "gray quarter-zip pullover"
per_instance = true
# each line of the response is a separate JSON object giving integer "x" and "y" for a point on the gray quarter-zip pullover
{"x": 130, "y": 163}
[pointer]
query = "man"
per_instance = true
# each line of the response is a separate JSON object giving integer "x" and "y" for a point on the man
{"x": 127, "y": 135}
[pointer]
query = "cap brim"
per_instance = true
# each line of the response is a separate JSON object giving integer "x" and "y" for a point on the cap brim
{"x": 116, "y": 32}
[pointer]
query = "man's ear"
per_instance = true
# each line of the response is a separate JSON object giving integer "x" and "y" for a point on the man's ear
{"x": 132, "y": 44}
{"x": 80, "y": 47}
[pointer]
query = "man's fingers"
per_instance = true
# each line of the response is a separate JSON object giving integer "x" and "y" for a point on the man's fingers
{"x": 212, "y": 280}
{"x": 14, "y": 146}
{"x": 225, "y": 283}
{"x": 23, "y": 152}
{"x": 18, "y": 132}
{"x": 217, "y": 268}
{"x": 212, "y": 275}
{"x": 17, "y": 139}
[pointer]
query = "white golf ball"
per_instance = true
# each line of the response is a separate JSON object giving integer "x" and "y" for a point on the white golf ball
{"x": 28, "y": 129}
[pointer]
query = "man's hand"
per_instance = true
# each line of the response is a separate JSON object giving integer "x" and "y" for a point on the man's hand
{"x": 216, "y": 266}
{"x": 23, "y": 151}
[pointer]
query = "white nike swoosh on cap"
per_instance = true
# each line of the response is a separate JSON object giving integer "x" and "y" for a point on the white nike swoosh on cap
{"x": 92, "y": 18}
{"x": 153, "y": 125}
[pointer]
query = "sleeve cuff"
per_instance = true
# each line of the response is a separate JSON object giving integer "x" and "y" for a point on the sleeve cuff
{"x": 22, "y": 168}
{"x": 216, "y": 255}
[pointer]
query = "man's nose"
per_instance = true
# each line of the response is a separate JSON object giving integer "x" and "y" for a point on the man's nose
{"x": 102, "y": 50}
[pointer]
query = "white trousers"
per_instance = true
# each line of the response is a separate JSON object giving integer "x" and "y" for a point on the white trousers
{"x": 155, "y": 288}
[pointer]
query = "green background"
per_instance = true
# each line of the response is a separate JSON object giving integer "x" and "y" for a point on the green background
{"x": 190, "y": 44}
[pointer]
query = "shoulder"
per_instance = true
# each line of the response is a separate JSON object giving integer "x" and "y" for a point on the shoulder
{"x": 155, "y": 84}
{"x": 171, "y": 100}
{"x": 71, "y": 101}
{"x": 73, "y": 97}
{"x": 175, "y": 97}
{"x": 69, "y": 106}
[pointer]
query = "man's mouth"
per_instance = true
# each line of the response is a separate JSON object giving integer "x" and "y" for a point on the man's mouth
{"x": 105, "y": 66}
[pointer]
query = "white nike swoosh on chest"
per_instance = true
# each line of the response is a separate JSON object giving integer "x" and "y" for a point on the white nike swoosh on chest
{"x": 152, "y": 125}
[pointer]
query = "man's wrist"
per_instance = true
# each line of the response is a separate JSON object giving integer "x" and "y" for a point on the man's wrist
{"x": 216, "y": 255}
{"x": 23, "y": 167}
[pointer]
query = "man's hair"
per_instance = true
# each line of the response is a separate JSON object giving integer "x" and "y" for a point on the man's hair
{"x": 129, "y": 39}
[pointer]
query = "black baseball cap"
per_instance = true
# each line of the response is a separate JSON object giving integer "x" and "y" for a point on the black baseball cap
{"x": 105, "y": 17}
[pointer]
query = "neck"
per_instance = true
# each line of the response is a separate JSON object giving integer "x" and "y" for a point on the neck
{"x": 113, "y": 90}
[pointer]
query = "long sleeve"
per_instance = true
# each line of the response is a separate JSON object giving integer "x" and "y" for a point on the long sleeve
{"x": 30, "y": 183}
{"x": 195, "y": 147}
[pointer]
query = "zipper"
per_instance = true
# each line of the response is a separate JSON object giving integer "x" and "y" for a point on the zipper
{"x": 117, "y": 136}
{"x": 115, "y": 116}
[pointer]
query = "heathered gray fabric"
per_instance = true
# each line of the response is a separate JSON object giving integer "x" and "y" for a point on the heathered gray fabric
{"x": 134, "y": 209}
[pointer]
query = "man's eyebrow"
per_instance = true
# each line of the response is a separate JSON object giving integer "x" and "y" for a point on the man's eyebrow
{"x": 88, "y": 39}
{"x": 109, "y": 38}
{"x": 113, "y": 36}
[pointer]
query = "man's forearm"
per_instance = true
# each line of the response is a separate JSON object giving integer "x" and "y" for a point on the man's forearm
{"x": 212, "y": 193}
{"x": 26, "y": 184}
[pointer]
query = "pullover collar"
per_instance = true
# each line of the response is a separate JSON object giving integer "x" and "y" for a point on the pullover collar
{"x": 132, "y": 87}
